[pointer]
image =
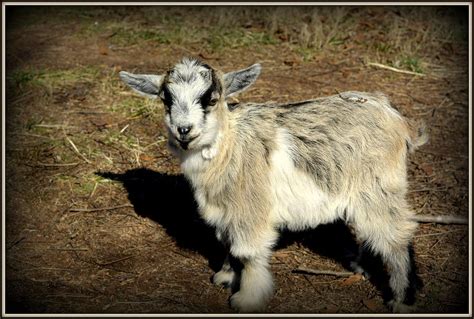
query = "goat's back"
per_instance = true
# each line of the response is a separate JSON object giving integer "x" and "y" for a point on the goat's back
{"x": 352, "y": 137}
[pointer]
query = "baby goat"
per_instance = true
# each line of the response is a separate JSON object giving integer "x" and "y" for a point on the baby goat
{"x": 257, "y": 168}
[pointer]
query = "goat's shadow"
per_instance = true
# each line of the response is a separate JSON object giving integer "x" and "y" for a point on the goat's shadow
{"x": 169, "y": 201}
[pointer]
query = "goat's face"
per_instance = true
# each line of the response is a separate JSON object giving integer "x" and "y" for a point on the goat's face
{"x": 192, "y": 94}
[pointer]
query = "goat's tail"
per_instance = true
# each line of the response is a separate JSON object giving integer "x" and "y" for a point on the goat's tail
{"x": 418, "y": 135}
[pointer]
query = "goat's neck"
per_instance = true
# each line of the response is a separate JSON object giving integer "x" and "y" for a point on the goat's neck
{"x": 212, "y": 159}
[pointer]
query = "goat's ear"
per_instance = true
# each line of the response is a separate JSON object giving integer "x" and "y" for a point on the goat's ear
{"x": 146, "y": 84}
{"x": 238, "y": 81}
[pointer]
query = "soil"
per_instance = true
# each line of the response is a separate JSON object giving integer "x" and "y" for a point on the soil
{"x": 115, "y": 229}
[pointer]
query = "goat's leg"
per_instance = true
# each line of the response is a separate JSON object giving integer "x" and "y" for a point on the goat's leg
{"x": 391, "y": 239}
{"x": 256, "y": 286}
{"x": 226, "y": 276}
{"x": 256, "y": 282}
{"x": 357, "y": 264}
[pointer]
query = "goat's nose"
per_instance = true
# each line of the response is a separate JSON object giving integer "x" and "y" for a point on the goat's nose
{"x": 183, "y": 130}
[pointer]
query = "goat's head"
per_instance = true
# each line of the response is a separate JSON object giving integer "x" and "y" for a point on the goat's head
{"x": 193, "y": 93}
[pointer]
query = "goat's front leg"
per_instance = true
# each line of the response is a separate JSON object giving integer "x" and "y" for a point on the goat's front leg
{"x": 256, "y": 286}
{"x": 256, "y": 282}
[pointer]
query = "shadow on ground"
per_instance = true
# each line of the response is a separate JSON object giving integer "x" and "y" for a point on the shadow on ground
{"x": 169, "y": 201}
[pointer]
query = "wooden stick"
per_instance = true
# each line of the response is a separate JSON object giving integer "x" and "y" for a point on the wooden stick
{"x": 123, "y": 130}
{"x": 16, "y": 242}
{"x": 56, "y": 164}
{"x": 76, "y": 150}
{"x": 323, "y": 272}
{"x": 99, "y": 209}
{"x": 440, "y": 189}
{"x": 54, "y": 126}
{"x": 386, "y": 67}
{"x": 437, "y": 234}
{"x": 441, "y": 219}
{"x": 68, "y": 249}
{"x": 51, "y": 268}
{"x": 114, "y": 261}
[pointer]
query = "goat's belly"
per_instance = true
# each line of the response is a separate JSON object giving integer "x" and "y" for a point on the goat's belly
{"x": 300, "y": 205}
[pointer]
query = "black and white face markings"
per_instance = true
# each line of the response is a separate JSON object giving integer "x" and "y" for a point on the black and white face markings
{"x": 189, "y": 92}
{"x": 212, "y": 94}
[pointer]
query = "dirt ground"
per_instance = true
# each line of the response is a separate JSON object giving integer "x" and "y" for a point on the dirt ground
{"x": 98, "y": 217}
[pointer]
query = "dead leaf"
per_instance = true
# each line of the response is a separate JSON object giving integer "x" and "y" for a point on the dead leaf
{"x": 100, "y": 123}
{"x": 290, "y": 62}
{"x": 352, "y": 279}
{"x": 283, "y": 37}
{"x": 146, "y": 158}
{"x": 103, "y": 48}
{"x": 427, "y": 168}
{"x": 371, "y": 304}
{"x": 331, "y": 309}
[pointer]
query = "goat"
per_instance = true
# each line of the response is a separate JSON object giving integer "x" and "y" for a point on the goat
{"x": 258, "y": 168}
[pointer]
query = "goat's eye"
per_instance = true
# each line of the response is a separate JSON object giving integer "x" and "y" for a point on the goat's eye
{"x": 208, "y": 99}
{"x": 212, "y": 102}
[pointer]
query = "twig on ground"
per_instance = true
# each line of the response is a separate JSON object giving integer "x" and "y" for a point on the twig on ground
{"x": 99, "y": 209}
{"x": 124, "y": 128}
{"x": 88, "y": 112}
{"x": 114, "y": 261}
{"x": 32, "y": 135}
{"x": 16, "y": 242}
{"x": 322, "y": 272}
{"x": 93, "y": 190}
{"x": 76, "y": 150}
{"x": 443, "y": 154}
{"x": 386, "y": 67}
{"x": 69, "y": 249}
{"x": 51, "y": 268}
{"x": 441, "y": 219}
{"x": 56, "y": 164}
{"x": 54, "y": 126}
{"x": 437, "y": 234}
{"x": 440, "y": 189}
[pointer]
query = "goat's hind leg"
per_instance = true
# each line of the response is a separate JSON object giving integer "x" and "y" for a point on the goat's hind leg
{"x": 227, "y": 275}
{"x": 403, "y": 280}
{"x": 391, "y": 238}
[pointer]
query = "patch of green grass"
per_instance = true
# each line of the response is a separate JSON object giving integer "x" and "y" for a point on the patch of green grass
{"x": 22, "y": 77}
{"x": 411, "y": 64}
{"x": 52, "y": 78}
{"x": 128, "y": 36}
{"x": 137, "y": 106}
{"x": 85, "y": 184}
{"x": 383, "y": 48}
{"x": 336, "y": 40}
{"x": 220, "y": 39}
{"x": 306, "y": 53}
{"x": 216, "y": 38}
{"x": 58, "y": 78}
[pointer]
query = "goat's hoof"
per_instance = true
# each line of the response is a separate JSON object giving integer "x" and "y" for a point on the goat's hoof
{"x": 225, "y": 278}
{"x": 246, "y": 303}
{"x": 399, "y": 307}
{"x": 359, "y": 270}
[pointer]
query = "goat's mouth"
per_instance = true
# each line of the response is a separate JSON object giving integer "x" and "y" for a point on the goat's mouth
{"x": 184, "y": 143}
